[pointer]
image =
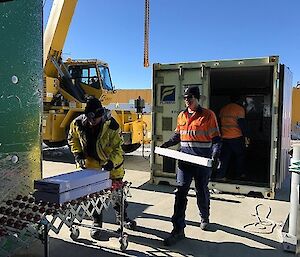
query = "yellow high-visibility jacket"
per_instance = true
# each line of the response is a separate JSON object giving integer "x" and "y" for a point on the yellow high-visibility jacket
{"x": 108, "y": 145}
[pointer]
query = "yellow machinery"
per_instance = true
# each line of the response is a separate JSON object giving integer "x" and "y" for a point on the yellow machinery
{"x": 295, "y": 112}
{"x": 66, "y": 84}
{"x": 122, "y": 104}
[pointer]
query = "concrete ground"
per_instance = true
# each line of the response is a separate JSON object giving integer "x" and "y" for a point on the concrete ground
{"x": 234, "y": 230}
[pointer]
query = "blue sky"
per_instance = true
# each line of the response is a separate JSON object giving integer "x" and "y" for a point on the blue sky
{"x": 182, "y": 30}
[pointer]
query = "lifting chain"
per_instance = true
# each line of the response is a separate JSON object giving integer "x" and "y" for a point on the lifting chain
{"x": 146, "y": 35}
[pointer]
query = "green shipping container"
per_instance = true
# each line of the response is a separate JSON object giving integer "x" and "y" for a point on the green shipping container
{"x": 264, "y": 83}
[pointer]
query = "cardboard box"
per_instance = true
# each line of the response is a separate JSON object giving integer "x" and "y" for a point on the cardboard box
{"x": 73, "y": 194}
{"x": 66, "y": 182}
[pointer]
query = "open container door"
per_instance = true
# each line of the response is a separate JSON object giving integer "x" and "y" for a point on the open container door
{"x": 284, "y": 124}
{"x": 169, "y": 82}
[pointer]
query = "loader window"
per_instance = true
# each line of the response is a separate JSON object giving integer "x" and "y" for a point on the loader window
{"x": 105, "y": 77}
{"x": 85, "y": 75}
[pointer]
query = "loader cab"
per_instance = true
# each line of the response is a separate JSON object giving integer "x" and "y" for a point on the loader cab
{"x": 83, "y": 74}
{"x": 92, "y": 76}
{"x": 105, "y": 77}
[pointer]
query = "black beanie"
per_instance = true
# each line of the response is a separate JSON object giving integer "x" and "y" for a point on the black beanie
{"x": 93, "y": 105}
{"x": 194, "y": 91}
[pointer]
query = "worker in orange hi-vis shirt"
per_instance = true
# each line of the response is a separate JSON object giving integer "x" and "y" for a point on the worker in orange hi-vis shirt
{"x": 197, "y": 132}
{"x": 234, "y": 138}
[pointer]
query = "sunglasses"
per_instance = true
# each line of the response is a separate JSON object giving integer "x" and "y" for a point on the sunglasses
{"x": 94, "y": 115}
{"x": 188, "y": 97}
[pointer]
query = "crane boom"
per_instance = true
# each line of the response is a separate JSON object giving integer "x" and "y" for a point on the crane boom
{"x": 56, "y": 32}
{"x": 146, "y": 34}
{"x": 68, "y": 82}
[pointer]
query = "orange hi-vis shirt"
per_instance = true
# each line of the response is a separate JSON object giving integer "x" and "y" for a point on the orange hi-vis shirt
{"x": 229, "y": 116}
{"x": 197, "y": 131}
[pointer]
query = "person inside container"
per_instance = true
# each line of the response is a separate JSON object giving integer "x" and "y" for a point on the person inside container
{"x": 235, "y": 138}
{"x": 95, "y": 141}
{"x": 198, "y": 133}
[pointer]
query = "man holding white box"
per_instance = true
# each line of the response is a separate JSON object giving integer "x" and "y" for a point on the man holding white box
{"x": 198, "y": 133}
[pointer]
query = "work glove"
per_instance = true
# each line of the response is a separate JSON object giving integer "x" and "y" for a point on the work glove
{"x": 247, "y": 141}
{"x": 215, "y": 164}
{"x": 164, "y": 145}
{"x": 108, "y": 166}
{"x": 80, "y": 161}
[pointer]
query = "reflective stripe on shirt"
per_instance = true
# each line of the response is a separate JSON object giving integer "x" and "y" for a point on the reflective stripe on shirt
{"x": 195, "y": 144}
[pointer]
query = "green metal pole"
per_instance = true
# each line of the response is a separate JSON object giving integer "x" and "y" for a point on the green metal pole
{"x": 21, "y": 77}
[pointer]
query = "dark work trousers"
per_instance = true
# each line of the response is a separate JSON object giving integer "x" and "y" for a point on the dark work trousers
{"x": 185, "y": 173}
{"x": 232, "y": 149}
{"x": 117, "y": 208}
{"x": 98, "y": 218}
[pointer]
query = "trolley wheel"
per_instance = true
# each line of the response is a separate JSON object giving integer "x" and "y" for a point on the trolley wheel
{"x": 74, "y": 233}
{"x": 123, "y": 243}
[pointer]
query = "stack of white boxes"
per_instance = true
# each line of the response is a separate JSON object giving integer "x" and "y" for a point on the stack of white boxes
{"x": 70, "y": 186}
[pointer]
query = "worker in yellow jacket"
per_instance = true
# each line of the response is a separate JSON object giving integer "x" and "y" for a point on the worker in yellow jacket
{"x": 95, "y": 141}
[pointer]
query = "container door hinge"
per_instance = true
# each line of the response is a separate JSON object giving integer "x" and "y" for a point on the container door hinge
{"x": 202, "y": 70}
{"x": 180, "y": 73}
{"x": 278, "y": 74}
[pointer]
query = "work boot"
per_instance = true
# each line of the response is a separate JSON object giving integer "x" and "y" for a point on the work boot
{"x": 95, "y": 233}
{"x": 130, "y": 224}
{"x": 204, "y": 224}
{"x": 174, "y": 237}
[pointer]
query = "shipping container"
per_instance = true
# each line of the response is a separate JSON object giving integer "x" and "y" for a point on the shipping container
{"x": 266, "y": 86}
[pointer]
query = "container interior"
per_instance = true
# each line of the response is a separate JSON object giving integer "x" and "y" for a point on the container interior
{"x": 255, "y": 85}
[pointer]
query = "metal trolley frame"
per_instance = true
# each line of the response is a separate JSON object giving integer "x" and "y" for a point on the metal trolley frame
{"x": 71, "y": 214}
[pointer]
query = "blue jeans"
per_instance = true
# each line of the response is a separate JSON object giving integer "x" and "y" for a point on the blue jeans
{"x": 185, "y": 173}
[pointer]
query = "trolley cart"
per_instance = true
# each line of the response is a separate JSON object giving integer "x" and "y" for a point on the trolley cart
{"x": 23, "y": 220}
{"x": 117, "y": 195}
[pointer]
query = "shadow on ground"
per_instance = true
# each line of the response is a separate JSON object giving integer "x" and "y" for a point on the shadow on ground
{"x": 186, "y": 247}
{"x": 59, "y": 248}
{"x": 63, "y": 154}
{"x": 58, "y": 154}
{"x": 136, "y": 162}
